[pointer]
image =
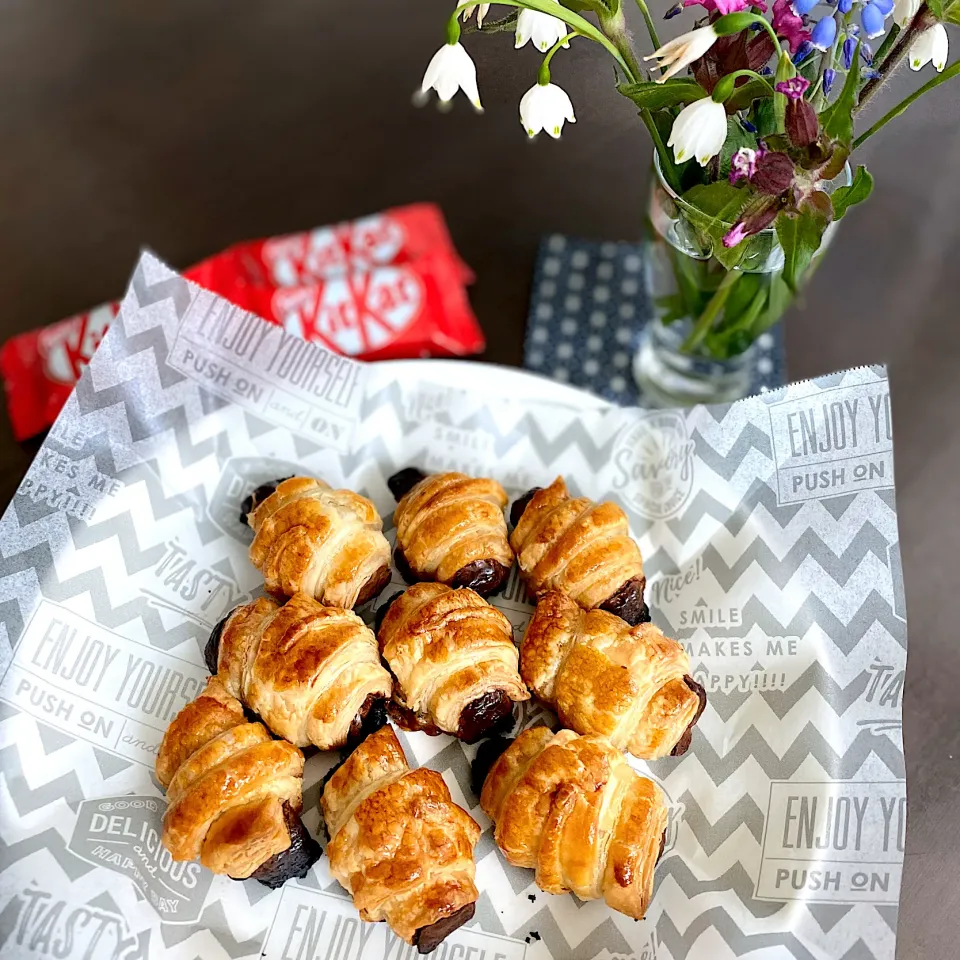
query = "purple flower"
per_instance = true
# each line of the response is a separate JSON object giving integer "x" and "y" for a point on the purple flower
{"x": 849, "y": 48}
{"x": 733, "y": 236}
{"x": 743, "y": 164}
{"x": 788, "y": 25}
{"x": 723, "y": 6}
{"x": 794, "y": 88}
{"x": 829, "y": 76}
{"x": 871, "y": 19}
{"x": 806, "y": 48}
{"x": 824, "y": 33}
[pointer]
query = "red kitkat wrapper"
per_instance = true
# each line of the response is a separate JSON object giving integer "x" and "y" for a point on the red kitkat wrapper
{"x": 388, "y": 286}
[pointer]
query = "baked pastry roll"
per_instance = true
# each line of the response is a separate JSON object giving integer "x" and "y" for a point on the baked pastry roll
{"x": 312, "y": 673}
{"x": 310, "y": 538}
{"x": 580, "y": 547}
{"x": 454, "y": 660}
{"x": 234, "y": 793}
{"x": 450, "y": 528}
{"x": 631, "y": 685}
{"x": 574, "y": 810}
{"x": 399, "y": 844}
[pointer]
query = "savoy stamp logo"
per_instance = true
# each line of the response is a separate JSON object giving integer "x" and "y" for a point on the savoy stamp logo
{"x": 122, "y": 834}
{"x": 653, "y": 465}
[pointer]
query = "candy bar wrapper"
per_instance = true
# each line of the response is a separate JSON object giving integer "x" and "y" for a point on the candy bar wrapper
{"x": 769, "y": 533}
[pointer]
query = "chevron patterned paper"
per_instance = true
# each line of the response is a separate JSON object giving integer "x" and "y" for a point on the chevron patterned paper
{"x": 769, "y": 533}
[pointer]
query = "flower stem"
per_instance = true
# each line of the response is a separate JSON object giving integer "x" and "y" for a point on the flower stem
{"x": 543, "y": 77}
{"x": 651, "y": 28}
{"x": 921, "y": 21}
{"x": 888, "y": 42}
{"x": 727, "y": 84}
{"x": 952, "y": 71}
{"x": 710, "y": 312}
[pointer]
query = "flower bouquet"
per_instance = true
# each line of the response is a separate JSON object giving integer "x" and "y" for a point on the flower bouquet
{"x": 752, "y": 115}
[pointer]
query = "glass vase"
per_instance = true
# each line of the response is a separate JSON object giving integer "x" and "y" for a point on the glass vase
{"x": 698, "y": 346}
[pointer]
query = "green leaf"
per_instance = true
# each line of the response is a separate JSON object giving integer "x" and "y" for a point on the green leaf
{"x": 779, "y": 298}
{"x": 746, "y": 93}
{"x": 735, "y": 333}
{"x": 936, "y": 8}
{"x": 650, "y": 95}
{"x": 717, "y": 206}
{"x": 785, "y": 71}
{"x": 952, "y": 13}
{"x": 837, "y": 120}
{"x": 858, "y": 191}
{"x": 764, "y": 118}
{"x": 799, "y": 235}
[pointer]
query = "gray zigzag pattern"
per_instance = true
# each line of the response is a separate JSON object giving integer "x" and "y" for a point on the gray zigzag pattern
{"x": 174, "y": 288}
{"x": 124, "y": 530}
{"x": 26, "y": 799}
{"x": 605, "y": 934}
{"x": 809, "y": 743}
{"x": 744, "y": 812}
{"x": 51, "y": 842}
{"x": 213, "y": 918}
{"x": 736, "y": 879}
{"x": 726, "y": 464}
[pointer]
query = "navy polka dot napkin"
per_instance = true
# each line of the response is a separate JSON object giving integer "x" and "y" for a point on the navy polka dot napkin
{"x": 587, "y": 311}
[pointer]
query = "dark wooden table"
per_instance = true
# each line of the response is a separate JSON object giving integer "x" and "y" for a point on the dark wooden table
{"x": 190, "y": 124}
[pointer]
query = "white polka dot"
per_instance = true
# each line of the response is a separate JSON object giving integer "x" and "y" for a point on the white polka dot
{"x": 620, "y": 359}
{"x": 764, "y": 389}
{"x": 608, "y": 250}
{"x": 618, "y": 384}
{"x": 598, "y": 318}
{"x": 568, "y": 326}
{"x": 557, "y": 243}
{"x": 631, "y": 263}
{"x": 544, "y": 311}
{"x": 579, "y": 260}
{"x": 594, "y": 343}
{"x": 548, "y": 288}
{"x": 765, "y": 340}
{"x": 535, "y": 358}
{"x": 605, "y": 271}
{"x": 601, "y": 294}
{"x": 539, "y": 335}
{"x": 627, "y": 310}
{"x": 575, "y": 281}
{"x": 765, "y": 366}
{"x": 629, "y": 287}
{"x": 590, "y": 367}
{"x": 561, "y": 374}
{"x": 623, "y": 335}
{"x": 572, "y": 303}
{"x": 565, "y": 351}
{"x": 551, "y": 266}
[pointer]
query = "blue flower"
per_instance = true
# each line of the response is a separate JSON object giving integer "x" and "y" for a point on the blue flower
{"x": 884, "y": 6}
{"x": 849, "y": 48}
{"x": 829, "y": 75}
{"x": 801, "y": 7}
{"x": 825, "y": 32}
{"x": 845, "y": 6}
{"x": 803, "y": 51}
{"x": 871, "y": 19}
{"x": 866, "y": 53}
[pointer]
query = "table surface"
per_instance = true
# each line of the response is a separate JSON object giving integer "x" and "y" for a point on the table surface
{"x": 187, "y": 125}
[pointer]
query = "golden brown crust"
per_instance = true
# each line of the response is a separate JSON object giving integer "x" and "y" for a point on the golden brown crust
{"x": 304, "y": 668}
{"x": 448, "y": 648}
{"x": 573, "y": 809}
{"x": 607, "y": 678}
{"x": 575, "y": 545}
{"x": 227, "y": 781}
{"x": 398, "y": 842}
{"x": 327, "y": 543}
{"x": 449, "y": 520}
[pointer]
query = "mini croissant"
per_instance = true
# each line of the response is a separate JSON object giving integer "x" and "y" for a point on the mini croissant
{"x": 450, "y": 528}
{"x": 309, "y": 538}
{"x": 573, "y": 809}
{"x": 399, "y": 844}
{"x": 312, "y": 673}
{"x": 602, "y": 676}
{"x": 580, "y": 547}
{"x": 454, "y": 659}
{"x": 234, "y": 792}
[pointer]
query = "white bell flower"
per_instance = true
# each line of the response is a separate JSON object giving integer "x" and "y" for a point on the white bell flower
{"x": 699, "y": 131}
{"x": 904, "y": 11}
{"x": 545, "y": 106}
{"x": 544, "y": 30}
{"x": 450, "y": 70}
{"x": 482, "y": 10}
{"x": 682, "y": 51}
{"x": 931, "y": 46}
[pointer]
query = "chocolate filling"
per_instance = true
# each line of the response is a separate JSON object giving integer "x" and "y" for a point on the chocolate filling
{"x": 253, "y": 500}
{"x": 516, "y": 511}
{"x": 427, "y": 939}
{"x": 483, "y": 576}
{"x": 383, "y": 609}
{"x": 663, "y": 844}
{"x": 683, "y": 744}
{"x": 627, "y": 603}
{"x": 489, "y": 753}
{"x": 403, "y": 568}
{"x": 407, "y": 719}
{"x": 371, "y": 716}
{"x": 374, "y": 585}
{"x": 482, "y": 716}
{"x": 403, "y": 481}
{"x": 296, "y": 860}
{"x": 211, "y": 652}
